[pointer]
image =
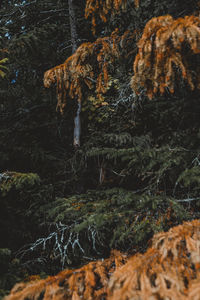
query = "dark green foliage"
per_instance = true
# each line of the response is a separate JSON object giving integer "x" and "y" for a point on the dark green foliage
{"x": 11, "y": 271}
{"x": 17, "y": 181}
{"x": 132, "y": 181}
{"x": 18, "y": 193}
{"x": 98, "y": 221}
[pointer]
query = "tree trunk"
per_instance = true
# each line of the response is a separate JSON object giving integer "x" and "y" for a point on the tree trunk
{"x": 74, "y": 38}
{"x": 72, "y": 19}
{"x": 77, "y": 126}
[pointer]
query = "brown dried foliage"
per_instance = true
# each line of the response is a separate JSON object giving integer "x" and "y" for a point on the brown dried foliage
{"x": 87, "y": 67}
{"x": 170, "y": 269}
{"x": 165, "y": 46}
{"x": 103, "y": 8}
{"x": 89, "y": 282}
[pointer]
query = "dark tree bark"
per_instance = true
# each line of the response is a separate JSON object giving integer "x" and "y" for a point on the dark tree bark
{"x": 74, "y": 38}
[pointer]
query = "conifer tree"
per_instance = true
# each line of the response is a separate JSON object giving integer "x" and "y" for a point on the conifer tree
{"x": 137, "y": 170}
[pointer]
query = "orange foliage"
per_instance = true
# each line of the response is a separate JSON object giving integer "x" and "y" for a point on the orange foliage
{"x": 87, "y": 283}
{"x": 168, "y": 270}
{"x": 87, "y": 67}
{"x": 102, "y": 9}
{"x": 165, "y": 46}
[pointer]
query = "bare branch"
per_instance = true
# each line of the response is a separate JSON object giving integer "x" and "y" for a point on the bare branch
{"x": 188, "y": 199}
{"x": 53, "y": 11}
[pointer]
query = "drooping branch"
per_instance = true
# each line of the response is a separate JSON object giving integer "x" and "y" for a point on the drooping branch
{"x": 87, "y": 282}
{"x": 102, "y": 9}
{"x": 165, "y": 52}
{"x": 88, "y": 68}
{"x": 166, "y": 271}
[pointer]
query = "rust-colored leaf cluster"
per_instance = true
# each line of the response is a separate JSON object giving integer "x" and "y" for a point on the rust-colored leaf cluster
{"x": 101, "y": 9}
{"x": 87, "y": 283}
{"x": 104, "y": 8}
{"x": 167, "y": 45}
{"x": 87, "y": 67}
{"x": 170, "y": 269}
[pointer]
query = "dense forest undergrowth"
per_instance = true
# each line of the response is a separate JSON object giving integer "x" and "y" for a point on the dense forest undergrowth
{"x": 136, "y": 173}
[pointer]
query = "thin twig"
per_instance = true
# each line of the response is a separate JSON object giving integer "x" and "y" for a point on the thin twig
{"x": 188, "y": 199}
